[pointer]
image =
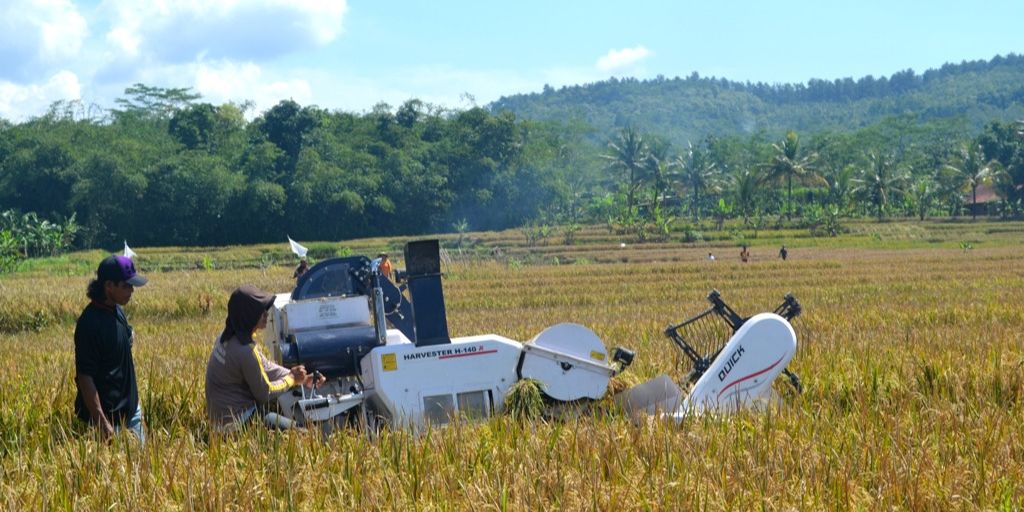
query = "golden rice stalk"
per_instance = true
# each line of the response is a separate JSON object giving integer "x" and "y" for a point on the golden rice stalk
{"x": 524, "y": 400}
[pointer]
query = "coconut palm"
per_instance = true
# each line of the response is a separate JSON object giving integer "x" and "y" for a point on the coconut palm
{"x": 839, "y": 181}
{"x": 746, "y": 183}
{"x": 879, "y": 181}
{"x": 697, "y": 174}
{"x": 923, "y": 192}
{"x": 787, "y": 163}
{"x": 660, "y": 170}
{"x": 630, "y": 155}
{"x": 972, "y": 170}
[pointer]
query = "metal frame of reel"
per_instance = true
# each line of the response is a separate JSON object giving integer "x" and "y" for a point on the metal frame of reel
{"x": 700, "y": 337}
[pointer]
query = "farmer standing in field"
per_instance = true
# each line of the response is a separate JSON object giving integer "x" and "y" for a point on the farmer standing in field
{"x": 108, "y": 394}
{"x": 301, "y": 269}
{"x": 240, "y": 380}
{"x": 385, "y": 265}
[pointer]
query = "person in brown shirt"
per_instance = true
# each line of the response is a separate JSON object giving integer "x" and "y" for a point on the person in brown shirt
{"x": 301, "y": 269}
{"x": 240, "y": 379}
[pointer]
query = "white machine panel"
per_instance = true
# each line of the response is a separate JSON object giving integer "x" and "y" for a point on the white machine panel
{"x": 289, "y": 317}
{"x": 742, "y": 374}
{"x": 570, "y": 361}
{"x": 325, "y": 313}
{"x": 414, "y": 385}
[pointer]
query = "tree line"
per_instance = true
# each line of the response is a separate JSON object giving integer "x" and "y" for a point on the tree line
{"x": 165, "y": 168}
{"x": 897, "y": 168}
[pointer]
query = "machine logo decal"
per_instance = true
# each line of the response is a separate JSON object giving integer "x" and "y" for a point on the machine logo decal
{"x": 448, "y": 353}
{"x": 326, "y": 311}
{"x": 469, "y": 352}
{"x": 731, "y": 363}
{"x": 389, "y": 362}
{"x": 751, "y": 376}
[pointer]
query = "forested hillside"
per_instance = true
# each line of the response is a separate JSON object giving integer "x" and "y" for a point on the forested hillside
{"x": 688, "y": 109}
{"x": 166, "y": 168}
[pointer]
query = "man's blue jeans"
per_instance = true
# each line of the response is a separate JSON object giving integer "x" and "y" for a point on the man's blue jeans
{"x": 135, "y": 425}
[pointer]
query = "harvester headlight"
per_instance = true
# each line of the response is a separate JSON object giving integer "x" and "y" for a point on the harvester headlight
{"x": 623, "y": 356}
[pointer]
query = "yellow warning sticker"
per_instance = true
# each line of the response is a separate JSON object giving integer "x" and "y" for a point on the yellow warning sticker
{"x": 599, "y": 356}
{"x": 389, "y": 362}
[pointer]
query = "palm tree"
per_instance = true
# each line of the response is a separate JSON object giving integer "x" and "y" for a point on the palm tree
{"x": 786, "y": 163}
{"x": 948, "y": 187}
{"x": 746, "y": 184}
{"x": 923, "y": 191}
{"x": 840, "y": 184}
{"x": 629, "y": 155}
{"x": 697, "y": 174}
{"x": 880, "y": 180}
{"x": 973, "y": 171}
{"x": 659, "y": 170}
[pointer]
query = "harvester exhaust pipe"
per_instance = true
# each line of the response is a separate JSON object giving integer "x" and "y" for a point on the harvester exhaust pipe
{"x": 423, "y": 272}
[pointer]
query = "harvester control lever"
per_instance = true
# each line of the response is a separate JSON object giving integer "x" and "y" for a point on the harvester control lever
{"x": 316, "y": 378}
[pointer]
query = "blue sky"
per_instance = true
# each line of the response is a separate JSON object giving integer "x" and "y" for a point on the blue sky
{"x": 350, "y": 55}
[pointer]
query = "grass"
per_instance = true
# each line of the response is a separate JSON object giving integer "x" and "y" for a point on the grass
{"x": 910, "y": 352}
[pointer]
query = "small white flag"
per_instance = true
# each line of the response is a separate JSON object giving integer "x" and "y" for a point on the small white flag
{"x": 128, "y": 253}
{"x": 299, "y": 250}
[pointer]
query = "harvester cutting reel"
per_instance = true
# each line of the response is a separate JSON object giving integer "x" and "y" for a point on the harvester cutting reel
{"x": 700, "y": 338}
{"x": 733, "y": 362}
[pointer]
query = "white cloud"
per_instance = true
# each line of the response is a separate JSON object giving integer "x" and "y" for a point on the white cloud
{"x": 125, "y": 41}
{"x": 39, "y": 36}
{"x": 184, "y": 30}
{"x": 63, "y": 30}
{"x": 20, "y": 102}
{"x": 222, "y": 82}
{"x": 442, "y": 86}
{"x": 227, "y": 50}
{"x": 616, "y": 60}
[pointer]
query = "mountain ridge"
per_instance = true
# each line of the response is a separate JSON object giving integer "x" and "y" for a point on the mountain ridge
{"x": 692, "y": 108}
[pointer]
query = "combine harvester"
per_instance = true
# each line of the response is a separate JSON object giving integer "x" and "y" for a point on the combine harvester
{"x": 389, "y": 361}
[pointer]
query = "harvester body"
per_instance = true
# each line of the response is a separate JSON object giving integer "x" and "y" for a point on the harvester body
{"x": 387, "y": 355}
{"x": 388, "y": 359}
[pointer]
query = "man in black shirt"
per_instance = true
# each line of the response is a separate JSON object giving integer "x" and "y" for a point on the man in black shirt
{"x": 108, "y": 395}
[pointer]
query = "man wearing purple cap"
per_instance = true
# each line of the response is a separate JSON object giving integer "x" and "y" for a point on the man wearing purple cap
{"x": 108, "y": 395}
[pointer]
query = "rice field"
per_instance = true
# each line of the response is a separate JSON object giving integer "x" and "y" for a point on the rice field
{"x": 911, "y": 354}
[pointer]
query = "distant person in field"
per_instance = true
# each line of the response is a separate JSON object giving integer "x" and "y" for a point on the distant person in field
{"x": 385, "y": 265}
{"x": 783, "y": 253}
{"x": 744, "y": 254}
{"x": 108, "y": 393}
{"x": 711, "y": 257}
{"x": 301, "y": 269}
{"x": 240, "y": 379}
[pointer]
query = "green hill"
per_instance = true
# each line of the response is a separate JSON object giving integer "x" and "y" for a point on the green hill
{"x": 689, "y": 109}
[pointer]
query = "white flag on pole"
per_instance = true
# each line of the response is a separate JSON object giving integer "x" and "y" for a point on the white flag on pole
{"x": 128, "y": 253}
{"x": 299, "y": 250}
